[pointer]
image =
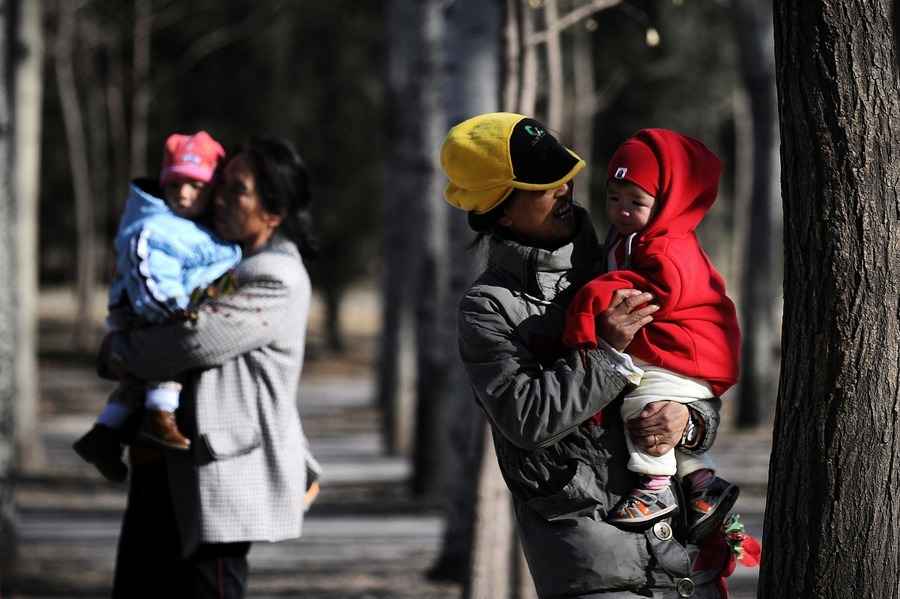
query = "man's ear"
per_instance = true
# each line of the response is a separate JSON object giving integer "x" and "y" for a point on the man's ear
{"x": 505, "y": 220}
{"x": 273, "y": 220}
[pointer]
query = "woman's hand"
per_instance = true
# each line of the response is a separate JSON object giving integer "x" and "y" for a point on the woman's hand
{"x": 626, "y": 314}
{"x": 659, "y": 427}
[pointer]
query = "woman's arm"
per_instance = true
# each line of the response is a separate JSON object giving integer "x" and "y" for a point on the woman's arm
{"x": 534, "y": 406}
{"x": 223, "y": 328}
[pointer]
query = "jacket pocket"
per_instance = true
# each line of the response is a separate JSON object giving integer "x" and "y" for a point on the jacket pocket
{"x": 576, "y": 498}
{"x": 223, "y": 445}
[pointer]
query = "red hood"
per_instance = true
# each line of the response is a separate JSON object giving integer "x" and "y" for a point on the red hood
{"x": 688, "y": 182}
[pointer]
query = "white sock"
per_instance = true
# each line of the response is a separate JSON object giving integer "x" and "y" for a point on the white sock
{"x": 114, "y": 414}
{"x": 163, "y": 397}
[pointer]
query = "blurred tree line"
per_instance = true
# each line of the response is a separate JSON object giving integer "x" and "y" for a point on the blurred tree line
{"x": 122, "y": 75}
{"x": 366, "y": 90}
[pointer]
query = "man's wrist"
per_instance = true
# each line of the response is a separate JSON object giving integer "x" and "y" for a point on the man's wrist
{"x": 691, "y": 436}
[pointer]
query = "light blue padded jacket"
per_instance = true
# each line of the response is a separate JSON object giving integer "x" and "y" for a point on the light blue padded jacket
{"x": 161, "y": 258}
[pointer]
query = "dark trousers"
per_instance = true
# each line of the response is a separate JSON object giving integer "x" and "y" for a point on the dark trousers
{"x": 149, "y": 561}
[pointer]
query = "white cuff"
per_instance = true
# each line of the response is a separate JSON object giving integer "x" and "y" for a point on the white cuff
{"x": 623, "y": 363}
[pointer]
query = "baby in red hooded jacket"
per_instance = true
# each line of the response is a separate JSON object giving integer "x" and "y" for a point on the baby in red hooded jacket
{"x": 660, "y": 186}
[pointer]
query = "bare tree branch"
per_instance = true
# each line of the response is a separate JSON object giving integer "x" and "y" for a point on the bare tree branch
{"x": 221, "y": 38}
{"x": 573, "y": 17}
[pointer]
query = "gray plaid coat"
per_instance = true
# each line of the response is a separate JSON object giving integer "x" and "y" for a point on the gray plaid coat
{"x": 240, "y": 360}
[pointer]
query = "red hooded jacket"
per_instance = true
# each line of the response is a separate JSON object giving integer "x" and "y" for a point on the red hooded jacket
{"x": 695, "y": 333}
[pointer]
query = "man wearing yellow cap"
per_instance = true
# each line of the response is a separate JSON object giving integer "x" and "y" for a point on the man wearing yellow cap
{"x": 514, "y": 180}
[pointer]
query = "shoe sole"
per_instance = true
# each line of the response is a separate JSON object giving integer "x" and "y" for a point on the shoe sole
{"x": 157, "y": 442}
{"x": 714, "y": 519}
{"x": 669, "y": 511}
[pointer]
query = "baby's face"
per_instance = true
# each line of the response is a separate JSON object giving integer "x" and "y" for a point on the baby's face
{"x": 628, "y": 207}
{"x": 187, "y": 198}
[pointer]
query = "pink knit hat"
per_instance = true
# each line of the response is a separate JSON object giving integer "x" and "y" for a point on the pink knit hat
{"x": 190, "y": 157}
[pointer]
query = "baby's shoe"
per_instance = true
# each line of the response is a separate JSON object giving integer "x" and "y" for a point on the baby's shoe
{"x": 102, "y": 447}
{"x": 708, "y": 507}
{"x": 160, "y": 429}
{"x": 643, "y": 507}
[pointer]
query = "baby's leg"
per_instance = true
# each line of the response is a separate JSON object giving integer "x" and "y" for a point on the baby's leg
{"x": 653, "y": 497}
{"x": 640, "y": 461}
{"x": 119, "y": 406}
{"x": 709, "y": 498}
{"x": 102, "y": 445}
{"x": 162, "y": 396}
{"x": 159, "y": 426}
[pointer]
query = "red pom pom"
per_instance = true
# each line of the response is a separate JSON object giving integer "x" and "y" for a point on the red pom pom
{"x": 752, "y": 551}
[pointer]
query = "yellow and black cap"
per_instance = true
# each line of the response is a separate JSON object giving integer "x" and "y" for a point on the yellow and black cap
{"x": 488, "y": 156}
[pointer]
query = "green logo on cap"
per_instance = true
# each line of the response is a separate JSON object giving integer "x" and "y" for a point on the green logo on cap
{"x": 534, "y": 131}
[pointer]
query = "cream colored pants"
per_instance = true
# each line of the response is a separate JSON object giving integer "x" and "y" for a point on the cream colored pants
{"x": 660, "y": 384}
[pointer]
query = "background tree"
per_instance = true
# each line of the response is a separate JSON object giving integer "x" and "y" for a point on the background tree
{"x": 760, "y": 269}
{"x": 473, "y": 43}
{"x": 414, "y": 32}
{"x": 28, "y": 95}
{"x": 830, "y": 528}
{"x": 8, "y": 303}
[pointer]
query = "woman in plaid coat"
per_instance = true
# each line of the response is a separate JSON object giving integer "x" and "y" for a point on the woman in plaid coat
{"x": 191, "y": 517}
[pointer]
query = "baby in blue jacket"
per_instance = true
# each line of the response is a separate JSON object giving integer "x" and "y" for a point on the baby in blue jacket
{"x": 164, "y": 254}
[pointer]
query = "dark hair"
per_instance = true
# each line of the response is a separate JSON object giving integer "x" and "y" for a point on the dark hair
{"x": 282, "y": 182}
{"x": 486, "y": 224}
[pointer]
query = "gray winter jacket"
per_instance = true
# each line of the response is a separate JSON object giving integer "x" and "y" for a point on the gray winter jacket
{"x": 246, "y": 474}
{"x": 564, "y": 473}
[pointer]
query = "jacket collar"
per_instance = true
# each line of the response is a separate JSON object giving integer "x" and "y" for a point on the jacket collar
{"x": 544, "y": 273}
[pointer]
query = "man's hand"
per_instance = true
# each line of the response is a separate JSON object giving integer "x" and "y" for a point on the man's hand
{"x": 659, "y": 427}
{"x": 626, "y": 314}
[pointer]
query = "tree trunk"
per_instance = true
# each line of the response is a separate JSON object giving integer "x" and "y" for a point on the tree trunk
{"x": 81, "y": 180}
{"x": 432, "y": 351}
{"x": 493, "y": 558}
{"x": 28, "y": 93}
{"x": 473, "y": 45}
{"x": 140, "y": 98}
{"x": 512, "y": 75}
{"x": 8, "y": 309}
{"x": 409, "y": 173}
{"x": 585, "y": 106}
{"x": 91, "y": 53}
{"x": 528, "y": 96}
{"x": 334, "y": 337}
{"x": 556, "y": 89}
{"x": 831, "y": 514}
{"x": 759, "y": 368}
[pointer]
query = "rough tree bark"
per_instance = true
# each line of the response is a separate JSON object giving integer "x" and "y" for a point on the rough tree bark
{"x": 8, "y": 337}
{"x": 832, "y": 510}
{"x": 760, "y": 269}
{"x": 28, "y": 93}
